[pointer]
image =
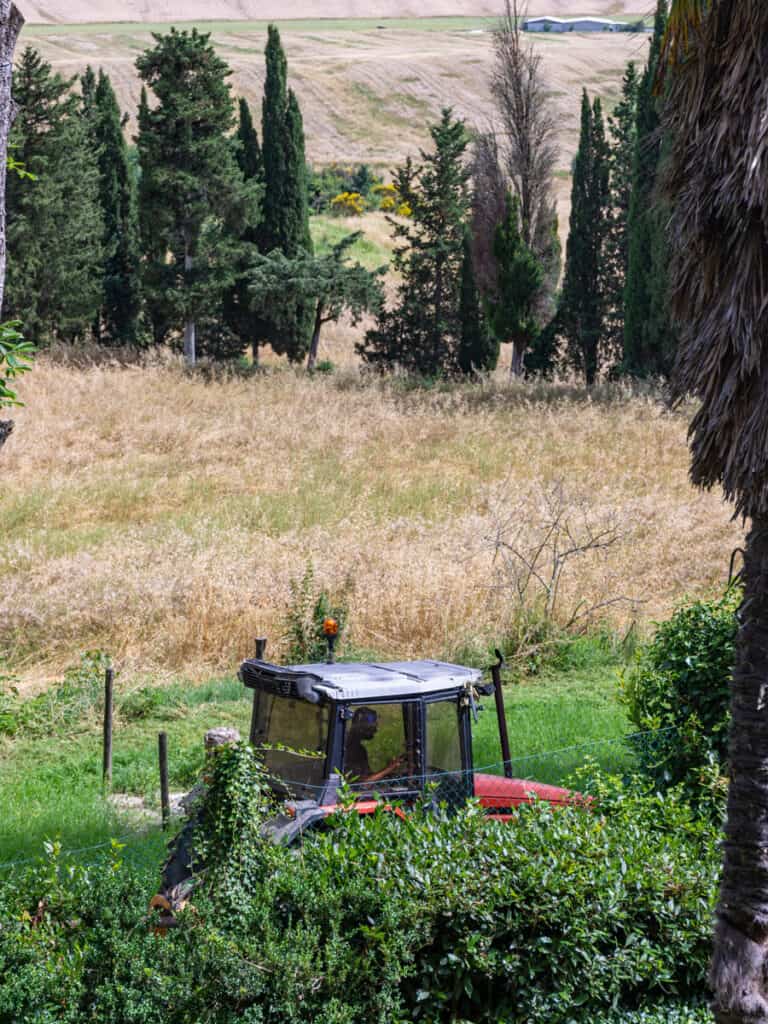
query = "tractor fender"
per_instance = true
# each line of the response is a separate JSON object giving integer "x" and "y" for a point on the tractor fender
{"x": 288, "y": 827}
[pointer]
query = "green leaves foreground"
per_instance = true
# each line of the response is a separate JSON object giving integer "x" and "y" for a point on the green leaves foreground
{"x": 597, "y": 914}
{"x": 15, "y": 359}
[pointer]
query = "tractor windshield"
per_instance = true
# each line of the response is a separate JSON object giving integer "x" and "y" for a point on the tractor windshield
{"x": 380, "y": 743}
{"x": 291, "y": 735}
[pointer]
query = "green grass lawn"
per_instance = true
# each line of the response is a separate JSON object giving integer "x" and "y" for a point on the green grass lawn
{"x": 328, "y": 231}
{"x": 50, "y": 784}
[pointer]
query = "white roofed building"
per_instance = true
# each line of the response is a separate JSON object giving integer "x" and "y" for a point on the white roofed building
{"x": 549, "y": 24}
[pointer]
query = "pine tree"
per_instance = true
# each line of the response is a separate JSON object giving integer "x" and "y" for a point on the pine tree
{"x": 421, "y": 333}
{"x": 118, "y": 320}
{"x": 285, "y": 212}
{"x": 328, "y": 284}
{"x": 190, "y": 179}
{"x": 650, "y": 342}
{"x": 580, "y": 317}
{"x": 238, "y": 309}
{"x": 623, "y": 132}
{"x": 478, "y": 349}
{"x": 55, "y": 227}
{"x": 511, "y": 307}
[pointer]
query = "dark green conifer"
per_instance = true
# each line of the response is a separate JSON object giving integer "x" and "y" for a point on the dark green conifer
{"x": 190, "y": 180}
{"x": 650, "y": 341}
{"x": 248, "y": 151}
{"x": 238, "y": 312}
{"x": 478, "y": 349}
{"x": 421, "y": 333}
{"x": 119, "y": 317}
{"x": 285, "y": 211}
{"x": 55, "y": 227}
{"x": 511, "y": 306}
{"x": 623, "y": 135}
{"x": 581, "y": 313}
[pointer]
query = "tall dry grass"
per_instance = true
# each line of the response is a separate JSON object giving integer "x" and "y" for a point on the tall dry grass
{"x": 161, "y": 516}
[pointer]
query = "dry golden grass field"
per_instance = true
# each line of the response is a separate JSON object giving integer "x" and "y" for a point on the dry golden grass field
{"x": 161, "y": 516}
{"x": 369, "y": 90}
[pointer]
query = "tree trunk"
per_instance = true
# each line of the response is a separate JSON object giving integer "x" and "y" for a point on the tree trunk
{"x": 314, "y": 345}
{"x": 6, "y": 427}
{"x": 10, "y": 26}
{"x": 739, "y": 972}
{"x": 518, "y": 355}
{"x": 189, "y": 343}
{"x": 255, "y": 354}
{"x": 189, "y": 327}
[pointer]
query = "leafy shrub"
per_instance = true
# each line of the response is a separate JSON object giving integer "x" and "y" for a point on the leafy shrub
{"x": 15, "y": 358}
{"x": 679, "y": 683}
{"x": 61, "y": 706}
{"x": 150, "y": 702}
{"x": 335, "y": 178}
{"x": 310, "y": 607}
{"x": 575, "y": 915}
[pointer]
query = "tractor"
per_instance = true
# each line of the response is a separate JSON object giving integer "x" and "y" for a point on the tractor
{"x": 393, "y": 732}
{"x": 386, "y": 734}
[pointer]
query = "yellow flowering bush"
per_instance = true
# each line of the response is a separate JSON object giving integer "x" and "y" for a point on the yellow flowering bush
{"x": 348, "y": 204}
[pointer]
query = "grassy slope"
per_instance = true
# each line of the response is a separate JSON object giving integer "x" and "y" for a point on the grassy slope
{"x": 161, "y": 517}
{"x": 50, "y": 786}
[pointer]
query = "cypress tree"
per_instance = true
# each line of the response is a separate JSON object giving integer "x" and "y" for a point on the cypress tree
{"x": 119, "y": 318}
{"x": 248, "y": 151}
{"x": 580, "y": 317}
{"x": 650, "y": 341}
{"x": 478, "y": 349}
{"x": 190, "y": 179}
{"x": 421, "y": 333}
{"x": 623, "y": 133}
{"x": 511, "y": 307}
{"x": 157, "y": 273}
{"x": 237, "y": 311}
{"x": 55, "y": 227}
{"x": 285, "y": 211}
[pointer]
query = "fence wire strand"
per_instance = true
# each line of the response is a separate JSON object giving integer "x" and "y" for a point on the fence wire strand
{"x": 550, "y": 767}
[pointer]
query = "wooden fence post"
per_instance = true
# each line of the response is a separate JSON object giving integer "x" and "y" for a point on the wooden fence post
{"x": 165, "y": 801}
{"x": 106, "y": 769}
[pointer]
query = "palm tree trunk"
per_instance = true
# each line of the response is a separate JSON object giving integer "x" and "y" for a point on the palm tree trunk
{"x": 739, "y": 972}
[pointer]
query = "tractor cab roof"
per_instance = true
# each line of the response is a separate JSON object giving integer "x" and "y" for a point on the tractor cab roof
{"x": 352, "y": 681}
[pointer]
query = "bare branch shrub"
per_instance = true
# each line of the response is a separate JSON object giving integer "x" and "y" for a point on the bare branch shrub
{"x": 537, "y": 546}
{"x": 528, "y": 124}
{"x": 489, "y": 188}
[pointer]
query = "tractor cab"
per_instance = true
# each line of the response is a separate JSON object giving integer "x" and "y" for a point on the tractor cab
{"x": 384, "y": 728}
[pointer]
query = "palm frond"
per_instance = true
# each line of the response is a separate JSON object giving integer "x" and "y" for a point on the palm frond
{"x": 685, "y": 20}
{"x": 716, "y": 178}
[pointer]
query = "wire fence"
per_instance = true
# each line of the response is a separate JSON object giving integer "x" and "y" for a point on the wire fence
{"x": 563, "y": 767}
{"x": 498, "y": 786}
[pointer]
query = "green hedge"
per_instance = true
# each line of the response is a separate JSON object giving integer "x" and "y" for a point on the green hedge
{"x": 560, "y": 916}
{"x": 680, "y": 684}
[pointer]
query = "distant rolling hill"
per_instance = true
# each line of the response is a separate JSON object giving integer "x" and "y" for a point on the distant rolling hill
{"x": 368, "y": 88}
{"x": 89, "y": 11}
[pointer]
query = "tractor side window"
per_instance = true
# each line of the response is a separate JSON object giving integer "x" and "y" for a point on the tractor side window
{"x": 376, "y": 744}
{"x": 443, "y": 738}
{"x": 291, "y": 735}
